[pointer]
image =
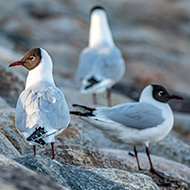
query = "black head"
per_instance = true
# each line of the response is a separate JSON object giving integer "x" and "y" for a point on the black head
{"x": 97, "y": 8}
{"x": 30, "y": 60}
{"x": 162, "y": 95}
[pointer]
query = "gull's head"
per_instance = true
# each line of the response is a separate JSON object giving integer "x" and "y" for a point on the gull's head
{"x": 157, "y": 93}
{"x": 98, "y": 13}
{"x": 33, "y": 59}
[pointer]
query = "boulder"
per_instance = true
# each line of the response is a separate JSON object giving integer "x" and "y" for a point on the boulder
{"x": 64, "y": 174}
{"x": 168, "y": 167}
{"x": 7, "y": 149}
{"x": 14, "y": 176}
{"x": 7, "y": 127}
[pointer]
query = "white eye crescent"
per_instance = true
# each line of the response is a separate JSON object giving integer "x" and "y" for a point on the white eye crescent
{"x": 31, "y": 58}
{"x": 160, "y": 93}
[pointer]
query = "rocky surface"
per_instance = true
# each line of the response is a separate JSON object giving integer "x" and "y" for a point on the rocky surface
{"x": 153, "y": 36}
{"x": 15, "y": 176}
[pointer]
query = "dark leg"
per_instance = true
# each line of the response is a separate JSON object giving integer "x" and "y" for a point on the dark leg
{"x": 136, "y": 155}
{"x": 109, "y": 97}
{"x": 34, "y": 148}
{"x": 160, "y": 174}
{"x": 94, "y": 98}
{"x": 52, "y": 149}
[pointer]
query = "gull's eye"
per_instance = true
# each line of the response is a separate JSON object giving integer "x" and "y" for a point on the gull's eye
{"x": 160, "y": 93}
{"x": 31, "y": 58}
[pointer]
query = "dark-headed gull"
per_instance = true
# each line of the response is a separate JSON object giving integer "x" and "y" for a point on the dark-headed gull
{"x": 142, "y": 123}
{"x": 101, "y": 64}
{"x": 41, "y": 110}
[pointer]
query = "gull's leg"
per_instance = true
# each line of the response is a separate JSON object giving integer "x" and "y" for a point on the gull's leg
{"x": 109, "y": 97}
{"x": 52, "y": 150}
{"x": 136, "y": 155}
{"x": 94, "y": 98}
{"x": 160, "y": 174}
{"x": 34, "y": 148}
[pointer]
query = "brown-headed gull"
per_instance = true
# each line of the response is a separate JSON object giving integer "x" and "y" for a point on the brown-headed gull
{"x": 41, "y": 110}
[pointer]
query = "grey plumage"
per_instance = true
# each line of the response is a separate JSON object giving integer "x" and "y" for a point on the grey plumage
{"x": 141, "y": 115}
{"x": 43, "y": 105}
{"x": 101, "y": 63}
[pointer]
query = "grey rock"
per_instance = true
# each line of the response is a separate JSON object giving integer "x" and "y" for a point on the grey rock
{"x": 168, "y": 167}
{"x": 14, "y": 176}
{"x": 66, "y": 174}
{"x": 129, "y": 180}
{"x": 7, "y": 148}
{"x": 8, "y": 129}
{"x": 4, "y": 104}
{"x": 11, "y": 83}
{"x": 182, "y": 122}
{"x": 173, "y": 149}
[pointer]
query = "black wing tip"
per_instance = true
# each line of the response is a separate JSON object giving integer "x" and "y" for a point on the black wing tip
{"x": 96, "y": 7}
{"x": 75, "y": 105}
{"x": 84, "y": 107}
{"x": 40, "y": 141}
{"x": 39, "y": 131}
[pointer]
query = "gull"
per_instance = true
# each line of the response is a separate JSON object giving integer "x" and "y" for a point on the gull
{"x": 140, "y": 123}
{"x": 101, "y": 64}
{"x": 41, "y": 110}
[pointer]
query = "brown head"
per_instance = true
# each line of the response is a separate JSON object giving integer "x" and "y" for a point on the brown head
{"x": 30, "y": 60}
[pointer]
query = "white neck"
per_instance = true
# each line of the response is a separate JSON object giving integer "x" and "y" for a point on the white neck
{"x": 42, "y": 73}
{"x": 100, "y": 32}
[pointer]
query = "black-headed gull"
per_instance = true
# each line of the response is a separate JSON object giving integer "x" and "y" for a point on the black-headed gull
{"x": 101, "y": 64}
{"x": 142, "y": 123}
{"x": 41, "y": 110}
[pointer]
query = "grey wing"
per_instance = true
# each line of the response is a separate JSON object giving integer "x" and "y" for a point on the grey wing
{"x": 134, "y": 115}
{"x": 46, "y": 107}
{"x": 86, "y": 62}
{"x": 103, "y": 63}
{"x": 110, "y": 63}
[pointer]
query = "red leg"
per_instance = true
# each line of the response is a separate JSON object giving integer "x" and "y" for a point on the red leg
{"x": 136, "y": 155}
{"x": 52, "y": 149}
{"x": 34, "y": 148}
{"x": 160, "y": 174}
{"x": 109, "y": 97}
{"x": 94, "y": 98}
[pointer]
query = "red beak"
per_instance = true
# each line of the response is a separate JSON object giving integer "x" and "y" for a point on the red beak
{"x": 175, "y": 97}
{"x": 15, "y": 63}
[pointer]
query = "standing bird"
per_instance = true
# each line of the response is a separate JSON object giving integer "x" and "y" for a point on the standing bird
{"x": 41, "y": 110}
{"x": 142, "y": 123}
{"x": 101, "y": 64}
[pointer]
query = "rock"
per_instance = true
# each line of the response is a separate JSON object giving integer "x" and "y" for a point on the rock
{"x": 129, "y": 180}
{"x": 12, "y": 83}
{"x": 76, "y": 155}
{"x": 173, "y": 149}
{"x": 7, "y": 148}
{"x": 8, "y": 129}
{"x": 72, "y": 136}
{"x": 61, "y": 173}
{"x": 168, "y": 167}
{"x": 14, "y": 176}
{"x": 182, "y": 122}
{"x": 3, "y": 103}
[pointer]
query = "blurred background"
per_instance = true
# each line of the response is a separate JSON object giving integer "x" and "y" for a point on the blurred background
{"x": 153, "y": 35}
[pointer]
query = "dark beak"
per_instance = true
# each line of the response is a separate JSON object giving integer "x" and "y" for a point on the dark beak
{"x": 175, "y": 97}
{"x": 16, "y": 63}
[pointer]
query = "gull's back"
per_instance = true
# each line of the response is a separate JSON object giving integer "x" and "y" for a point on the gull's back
{"x": 43, "y": 105}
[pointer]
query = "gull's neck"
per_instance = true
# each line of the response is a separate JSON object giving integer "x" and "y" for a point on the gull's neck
{"x": 100, "y": 32}
{"x": 42, "y": 73}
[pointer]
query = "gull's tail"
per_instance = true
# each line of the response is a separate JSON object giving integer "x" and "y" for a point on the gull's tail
{"x": 83, "y": 111}
{"x": 37, "y": 135}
